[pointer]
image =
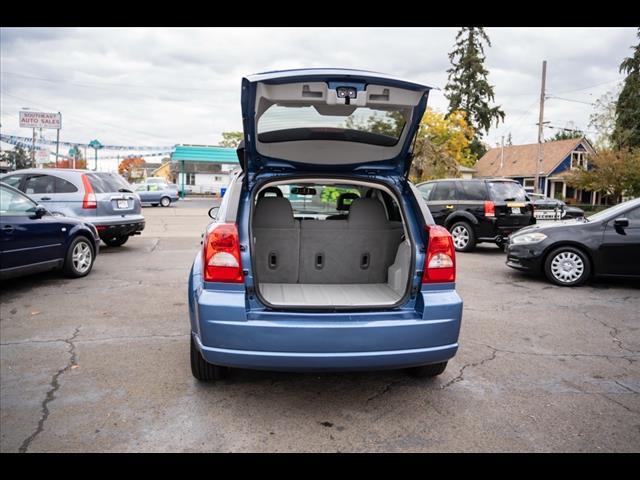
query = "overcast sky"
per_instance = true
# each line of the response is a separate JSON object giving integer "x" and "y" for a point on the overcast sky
{"x": 162, "y": 86}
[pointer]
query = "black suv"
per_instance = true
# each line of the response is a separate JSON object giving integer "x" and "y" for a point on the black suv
{"x": 478, "y": 210}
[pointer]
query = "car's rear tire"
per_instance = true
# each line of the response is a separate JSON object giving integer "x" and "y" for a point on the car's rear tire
{"x": 567, "y": 266}
{"x": 116, "y": 241}
{"x": 464, "y": 238}
{"x": 203, "y": 370}
{"x": 80, "y": 257}
{"x": 165, "y": 201}
{"x": 427, "y": 371}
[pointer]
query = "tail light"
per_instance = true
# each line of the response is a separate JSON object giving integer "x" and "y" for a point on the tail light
{"x": 89, "y": 200}
{"x": 222, "y": 254}
{"x": 440, "y": 262}
{"x": 489, "y": 209}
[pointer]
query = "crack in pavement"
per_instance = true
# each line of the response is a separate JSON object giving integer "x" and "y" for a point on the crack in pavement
{"x": 386, "y": 389}
{"x": 629, "y": 358}
{"x": 51, "y": 393}
{"x": 105, "y": 339}
{"x": 460, "y": 375}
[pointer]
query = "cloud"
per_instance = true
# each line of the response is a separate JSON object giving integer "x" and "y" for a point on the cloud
{"x": 182, "y": 85}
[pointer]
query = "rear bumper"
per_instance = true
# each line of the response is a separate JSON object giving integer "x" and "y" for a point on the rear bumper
{"x": 115, "y": 229}
{"x": 226, "y": 333}
{"x": 326, "y": 361}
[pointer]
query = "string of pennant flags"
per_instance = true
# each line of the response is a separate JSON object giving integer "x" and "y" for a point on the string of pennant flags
{"x": 28, "y": 142}
{"x": 15, "y": 140}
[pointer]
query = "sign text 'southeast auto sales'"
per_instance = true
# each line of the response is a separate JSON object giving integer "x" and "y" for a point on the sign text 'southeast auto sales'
{"x": 40, "y": 120}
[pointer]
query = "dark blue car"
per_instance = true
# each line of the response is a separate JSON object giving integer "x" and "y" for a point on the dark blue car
{"x": 32, "y": 240}
{"x": 323, "y": 255}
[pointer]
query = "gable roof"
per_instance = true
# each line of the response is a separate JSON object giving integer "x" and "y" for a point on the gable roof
{"x": 521, "y": 160}
{"x": 205, "y": 153}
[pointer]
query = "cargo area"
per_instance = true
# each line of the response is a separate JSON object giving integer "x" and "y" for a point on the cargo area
{"x": 329, "y": 246}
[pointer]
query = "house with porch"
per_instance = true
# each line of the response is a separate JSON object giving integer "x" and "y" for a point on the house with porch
{"x": 558, "y": 158}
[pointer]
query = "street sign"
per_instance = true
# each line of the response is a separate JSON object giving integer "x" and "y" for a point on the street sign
{"x": 42, "y": 156}
{"x": 29, "y": 119}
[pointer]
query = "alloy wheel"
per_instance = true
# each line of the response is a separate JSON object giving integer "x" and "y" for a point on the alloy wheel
{"x": 460, "y": 236}
{"x": 82, "y": 257}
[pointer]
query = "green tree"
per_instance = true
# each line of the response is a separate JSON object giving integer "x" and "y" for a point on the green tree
{"x": 231, "y": 139}
{"x": 18, "y": 158}
{"x": 612, "y": 172}
{"x": 468, "y": 88}
{"x": 566, "y": 134}
{"x": 627, "y": 129}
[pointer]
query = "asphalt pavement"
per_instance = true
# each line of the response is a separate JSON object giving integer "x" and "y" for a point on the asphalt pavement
{"x": 102, "y": 364}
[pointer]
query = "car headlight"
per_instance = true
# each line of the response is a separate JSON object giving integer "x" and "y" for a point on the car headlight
{"x": 527, "y": 238}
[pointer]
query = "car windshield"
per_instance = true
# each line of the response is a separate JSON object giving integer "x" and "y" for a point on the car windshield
{"x": 281, "y": 123}
{"x": 609, "y": 212}
{"x": 108, "y": 182}
{"x": 507, "y": 191}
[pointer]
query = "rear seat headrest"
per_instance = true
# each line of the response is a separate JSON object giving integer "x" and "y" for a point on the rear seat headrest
{"x": 367, "y": 212}
{"x": 273, "y": 212}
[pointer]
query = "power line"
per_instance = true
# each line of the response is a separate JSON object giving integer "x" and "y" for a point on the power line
{"x": 553, "y": 97}
{"x": 591, "y": 86}
{"x": 108, "y": 84}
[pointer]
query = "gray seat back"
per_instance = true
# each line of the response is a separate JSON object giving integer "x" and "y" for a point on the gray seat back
{"x": 276, "y": 241}
{"x": 357, "y": 250}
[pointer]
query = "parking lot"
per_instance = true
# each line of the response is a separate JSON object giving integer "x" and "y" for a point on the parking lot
{"x": 102, "y": 364}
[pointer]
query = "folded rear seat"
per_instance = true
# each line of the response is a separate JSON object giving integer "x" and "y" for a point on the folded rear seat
{"x": 277, "y": 241}
{"x": 357, "y": 250}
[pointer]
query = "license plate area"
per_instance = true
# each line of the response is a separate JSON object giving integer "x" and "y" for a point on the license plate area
{"x": 516, "y": 211}
{"x": 122, "y": 204}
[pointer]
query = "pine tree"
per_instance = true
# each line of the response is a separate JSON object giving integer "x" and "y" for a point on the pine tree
{"x": 627, "y": 129}
{"x": 468, "y": 88}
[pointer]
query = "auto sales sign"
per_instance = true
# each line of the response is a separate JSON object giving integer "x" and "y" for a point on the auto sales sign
{"x": 29, "y": 119}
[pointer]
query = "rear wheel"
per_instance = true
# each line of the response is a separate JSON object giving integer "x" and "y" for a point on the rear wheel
{"x": 165, "y": 201}
{"x": 567, "y": 266}
{"x": 79, "y": 259}
{"x": 116, "y": 241}
{"x": 427, "y": 371}
{"x": 203, "y": 370}
{"x": 464, "y": 239}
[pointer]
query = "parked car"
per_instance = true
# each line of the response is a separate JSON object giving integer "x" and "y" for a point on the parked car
{"x": 104, "y": 199}
{"x": 478, "y": 210}
{"x": 157, "y": 194}
{"x": 32, "y": 240}
{"x": 569, "y": 252}
{"x": 275, "y": 287}
{"x": 547, "y": 208}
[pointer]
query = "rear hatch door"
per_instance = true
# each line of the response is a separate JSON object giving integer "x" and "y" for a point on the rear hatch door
{"x": 329, "y": 120}
{"x": 512, "y": 207}
{"x": 113, "y": 194}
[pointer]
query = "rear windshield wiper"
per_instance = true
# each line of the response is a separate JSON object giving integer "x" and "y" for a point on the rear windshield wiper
{"x": 125, "y": 190}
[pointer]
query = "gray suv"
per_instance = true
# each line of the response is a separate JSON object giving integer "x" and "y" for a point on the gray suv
{"x": 104, "y": 199}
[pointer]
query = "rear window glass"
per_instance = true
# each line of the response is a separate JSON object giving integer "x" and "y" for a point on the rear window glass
{"x": 507, "y": 191}
{"x": 108, "y": 182}
{"x": 62, "y": 186}
{"x": 281, "y": 123}
{"x": 473, "y": 191}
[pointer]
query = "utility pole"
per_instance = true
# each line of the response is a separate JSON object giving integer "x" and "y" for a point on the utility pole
{"x": 57, "y": 142}
{"x": 540, "y": 126}
{"x": 33, "y": 148}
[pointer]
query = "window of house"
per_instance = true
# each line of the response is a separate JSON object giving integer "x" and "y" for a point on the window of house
{"x": 529, "y": 183}
{"x": 579, "y": 160}
{"x": 190, "y": 179}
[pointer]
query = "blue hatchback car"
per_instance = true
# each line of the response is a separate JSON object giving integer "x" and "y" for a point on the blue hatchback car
{"x": 322, "y": 255}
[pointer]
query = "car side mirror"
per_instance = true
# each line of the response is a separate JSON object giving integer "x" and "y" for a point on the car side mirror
{"x": 39, "y": 212}
{"x": 213, "y": 212}
{"x": 621, "y": 222}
